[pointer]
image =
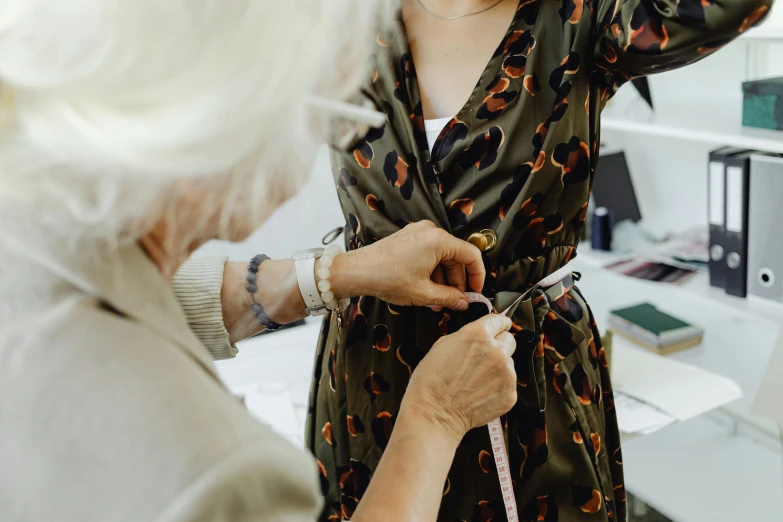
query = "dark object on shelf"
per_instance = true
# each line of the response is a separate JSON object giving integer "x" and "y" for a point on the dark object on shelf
{"x": 300, "y": 322}
{"x": 613, "y": 188}
{"x": 643, "y": 86}
{"x": 763, "y": 105}
{"x": 765, "y": 258}
{"x": 737, "y": 193}
{"x": 646, "y": 269}
{"x": 653, "y": 329}
{"x": 717, "y": 197}
{"x": 603, "y": 223}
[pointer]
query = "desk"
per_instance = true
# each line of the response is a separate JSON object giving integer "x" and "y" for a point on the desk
{"x": 706, "y": 469}
{"x": 284, "y": 356}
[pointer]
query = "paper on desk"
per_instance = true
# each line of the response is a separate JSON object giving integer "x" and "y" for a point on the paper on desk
{"x": 635, "y": 416}
{"x": 272, "y": 404}
{"x": 680, "y": 390}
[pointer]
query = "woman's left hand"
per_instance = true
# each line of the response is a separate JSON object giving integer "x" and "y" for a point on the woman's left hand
{"x": 421, "y": 265}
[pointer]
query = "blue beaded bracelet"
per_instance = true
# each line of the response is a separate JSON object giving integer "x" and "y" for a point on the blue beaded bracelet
{"x": 257, "y": 309}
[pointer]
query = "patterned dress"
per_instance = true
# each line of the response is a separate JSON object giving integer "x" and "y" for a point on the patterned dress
{"x": 518, "y": 159}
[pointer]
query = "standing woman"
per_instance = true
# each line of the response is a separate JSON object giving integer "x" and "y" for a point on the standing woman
{"x": 493, "y": 122}
{"x": 493, "y": 112}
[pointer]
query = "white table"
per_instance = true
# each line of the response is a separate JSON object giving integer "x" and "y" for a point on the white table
{"x": 285, "y": 356}
{"x": 706, "y": 469}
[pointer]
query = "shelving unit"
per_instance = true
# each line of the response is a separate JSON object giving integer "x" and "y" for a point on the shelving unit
{"x": 720, "y": 121}
{"x": 728, "y": 454}
{"x": 697, "y": 287}
{"x": 719, "y": 127}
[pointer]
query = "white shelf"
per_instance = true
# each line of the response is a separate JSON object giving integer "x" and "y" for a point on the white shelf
{"x": 698, "y": 471}
{"x": 697, "y": 287}
{"x": 719, "y": 127}
{"x": 764, "y": 33}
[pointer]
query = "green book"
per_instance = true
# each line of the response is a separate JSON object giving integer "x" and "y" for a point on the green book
{"x": 654, "y": 329}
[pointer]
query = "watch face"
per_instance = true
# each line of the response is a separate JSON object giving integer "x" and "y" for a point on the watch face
{"x": 308, "y": 254}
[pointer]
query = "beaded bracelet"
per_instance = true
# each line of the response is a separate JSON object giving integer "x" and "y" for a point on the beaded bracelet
{"x": 257, "y": 309}
{"x": 323, "y": 273}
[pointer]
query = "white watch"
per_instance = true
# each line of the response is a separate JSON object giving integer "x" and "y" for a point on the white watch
{"x": 304, "y": 261}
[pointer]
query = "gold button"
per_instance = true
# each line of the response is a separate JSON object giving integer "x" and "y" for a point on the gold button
{"x": 485, "y": 240}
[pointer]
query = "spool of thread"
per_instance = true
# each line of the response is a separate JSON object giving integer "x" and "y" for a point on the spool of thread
{"x": 603, "y": 222}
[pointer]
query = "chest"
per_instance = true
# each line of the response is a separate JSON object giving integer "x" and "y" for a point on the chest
{"x": 451, "y": 55}
{"x": 518, "y": 154}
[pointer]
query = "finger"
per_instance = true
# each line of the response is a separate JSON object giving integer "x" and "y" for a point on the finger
{"x": 493, "y": 324}
{"x": 455, "y": 273}
{"x": 507, "y": 343}
{"x": 439, "y": 278}
{"x": 446, "y": 296}
{"x": 464, "y": 253}
{"x": 439, "y": 275}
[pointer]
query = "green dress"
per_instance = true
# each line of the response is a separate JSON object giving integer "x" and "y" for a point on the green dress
{"x": 518, "y": 159}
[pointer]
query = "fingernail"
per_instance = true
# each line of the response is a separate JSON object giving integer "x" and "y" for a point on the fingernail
{"x": 462, "y": 305}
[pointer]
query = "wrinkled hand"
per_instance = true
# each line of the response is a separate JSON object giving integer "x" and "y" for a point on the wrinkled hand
{"x": 466, "y": 380}
{"x": 421, "y": 265}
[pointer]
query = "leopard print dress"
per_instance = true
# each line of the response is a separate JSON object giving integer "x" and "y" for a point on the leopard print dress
{"x": 518, "y": 159}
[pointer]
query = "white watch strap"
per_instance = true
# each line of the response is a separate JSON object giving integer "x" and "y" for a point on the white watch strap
{"x": 305, "y": 275}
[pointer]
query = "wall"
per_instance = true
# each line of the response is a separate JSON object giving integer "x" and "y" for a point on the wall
{"x": 299, "y": 224}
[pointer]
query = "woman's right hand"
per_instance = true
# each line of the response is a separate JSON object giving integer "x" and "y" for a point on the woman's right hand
{"x": 466, "y": 380}
{"x": 420, "y": 265}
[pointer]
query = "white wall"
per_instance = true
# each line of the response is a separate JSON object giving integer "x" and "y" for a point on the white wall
{"x": 300, "y": 223}
{"x": 775, "y": 18}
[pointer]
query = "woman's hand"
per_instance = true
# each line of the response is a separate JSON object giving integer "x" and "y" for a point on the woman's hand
{"x": 420, "y": 265}
{"x": 466, "y": 380}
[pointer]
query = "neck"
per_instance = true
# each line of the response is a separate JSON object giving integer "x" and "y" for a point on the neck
{"x": 455, "y": 7}
{"x": 164, "y": 250}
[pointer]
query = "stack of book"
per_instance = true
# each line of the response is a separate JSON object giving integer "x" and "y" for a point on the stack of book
{"x": 654, "y": 330}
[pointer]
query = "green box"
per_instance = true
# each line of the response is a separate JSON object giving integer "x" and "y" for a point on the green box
{"x": 763, "y": 104}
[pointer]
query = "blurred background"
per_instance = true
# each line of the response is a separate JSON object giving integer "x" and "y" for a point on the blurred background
{"x": 669, "y": 208}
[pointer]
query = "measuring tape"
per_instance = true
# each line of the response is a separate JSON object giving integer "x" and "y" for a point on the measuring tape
{"x": 495, "y": 427}
{"x": 496, "y": 437}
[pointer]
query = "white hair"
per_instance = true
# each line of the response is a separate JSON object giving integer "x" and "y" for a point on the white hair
{"x": 107, "y": 105}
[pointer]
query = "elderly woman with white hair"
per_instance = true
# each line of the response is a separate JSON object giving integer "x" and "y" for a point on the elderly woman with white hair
{"x": 132, "y": 132}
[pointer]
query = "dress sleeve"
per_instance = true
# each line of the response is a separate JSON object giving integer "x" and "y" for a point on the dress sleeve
{"x": 197, "y": 287}
{"x": 641, "y": 37}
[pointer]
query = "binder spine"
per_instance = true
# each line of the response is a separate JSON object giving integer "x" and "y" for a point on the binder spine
{"x": 737, "y": 193}
{"x": 717, "y": 218}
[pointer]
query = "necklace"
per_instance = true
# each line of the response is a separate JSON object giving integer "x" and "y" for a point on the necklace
{"x": 439, "y": 17}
